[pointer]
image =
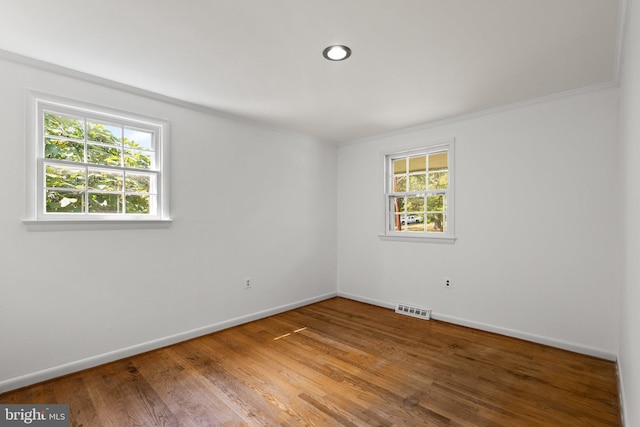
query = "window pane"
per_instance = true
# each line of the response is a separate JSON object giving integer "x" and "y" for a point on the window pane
{"x": 63, "y": 177}
{"x": 414, "y": 223}
{"x": 417, "y": 191}
{"x": 415, "y": 204}
{"x": 137, "y": 159}
{"x": 105, "y": 180}
{"x": 435, "y": 223}
{"x": 435, "y": 203}
{"x": 396, "y": 224}
{"x": 138, "y": 183}
{"x": 418, "y": 182}
{"x": 100, "y": 155}
{"x": 62, "y": 126}
{"x": 138, "y": 204}
{"x": 407, "y": 222}
{"x": 397, "y": 204}
{"x": 63, "y": 150}
{"x": 439, "y": 180}
{"x": 400, "y": 166}
{"x": 138, "y": 139}
{"x": 400, "y": 184}
{"x": 65, "y": 201}
{"x": 439, "y": 161}
{"x": 104, "y": 133}
{"x": 98, "y": 164}
{"x": 105, "y": 203}
{"x": 418, "y": 164}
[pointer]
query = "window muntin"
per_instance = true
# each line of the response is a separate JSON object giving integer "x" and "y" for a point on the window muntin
{"x": 418, "y": 192}
{"x": 97, "y": 166}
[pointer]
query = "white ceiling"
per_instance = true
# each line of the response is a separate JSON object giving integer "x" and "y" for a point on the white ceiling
{"x": 413, "y": 61}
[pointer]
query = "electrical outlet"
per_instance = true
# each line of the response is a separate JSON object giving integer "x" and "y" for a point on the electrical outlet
{"x": 247, "y": 282}
{"x": 448, "y": 283}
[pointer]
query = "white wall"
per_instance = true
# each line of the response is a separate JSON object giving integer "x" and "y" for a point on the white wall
{"x": 628, "y": 363}
{"x": 246, "y": 201}
{"x": 537, "y": 220}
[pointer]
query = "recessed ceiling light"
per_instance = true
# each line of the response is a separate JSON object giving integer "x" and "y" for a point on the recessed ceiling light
{"x": 336, "y": 53}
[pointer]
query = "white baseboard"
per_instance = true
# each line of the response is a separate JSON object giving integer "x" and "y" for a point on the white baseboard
{"x": 57, "y": 371}
{"x": 367, "y": 300}
{"x": 90, "y": 362}
{"x": 621, "y": 393}
{"x": 552, "y": 342}
{"x": 565, "y": 345}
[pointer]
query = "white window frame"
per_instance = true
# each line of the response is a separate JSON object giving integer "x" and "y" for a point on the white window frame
{"x": 387, "y": 158}
{"x": 38, "y": 104}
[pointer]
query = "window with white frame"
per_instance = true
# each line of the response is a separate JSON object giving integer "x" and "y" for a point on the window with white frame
{"x": 94, "y": 164}
{"x": 419, "y": 192}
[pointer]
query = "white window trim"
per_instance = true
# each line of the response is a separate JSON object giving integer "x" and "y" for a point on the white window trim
{"x": 389, "y": 235}
{"x": 36, "y": 219}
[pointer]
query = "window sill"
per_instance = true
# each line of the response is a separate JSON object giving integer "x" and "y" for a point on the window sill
{"x": 418, "y": 239}
{"x": 79, "y": 225}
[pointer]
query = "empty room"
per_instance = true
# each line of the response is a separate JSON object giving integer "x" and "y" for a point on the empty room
{"x": 327, "y": 213}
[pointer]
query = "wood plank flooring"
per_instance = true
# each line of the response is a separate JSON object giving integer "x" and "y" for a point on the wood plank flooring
{"x": 341, "y": 363}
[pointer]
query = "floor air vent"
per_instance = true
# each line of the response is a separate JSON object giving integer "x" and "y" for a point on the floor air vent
{"x": 411, "y": 310}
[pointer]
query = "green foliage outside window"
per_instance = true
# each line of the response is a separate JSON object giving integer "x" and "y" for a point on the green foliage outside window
{"x": 85, "y": 187}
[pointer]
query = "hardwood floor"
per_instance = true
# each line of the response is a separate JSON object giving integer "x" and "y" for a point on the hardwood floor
{"x": 341, "y": 363}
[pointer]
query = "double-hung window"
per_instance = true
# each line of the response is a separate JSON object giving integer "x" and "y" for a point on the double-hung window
{"x": 92, "y": 164}
{"x": 419, "y": 193}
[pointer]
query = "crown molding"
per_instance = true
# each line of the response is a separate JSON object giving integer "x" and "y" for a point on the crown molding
{"x": 623, "y": 24}
{"x": 486, "y": 112}
{"x": 133, "y": 90}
